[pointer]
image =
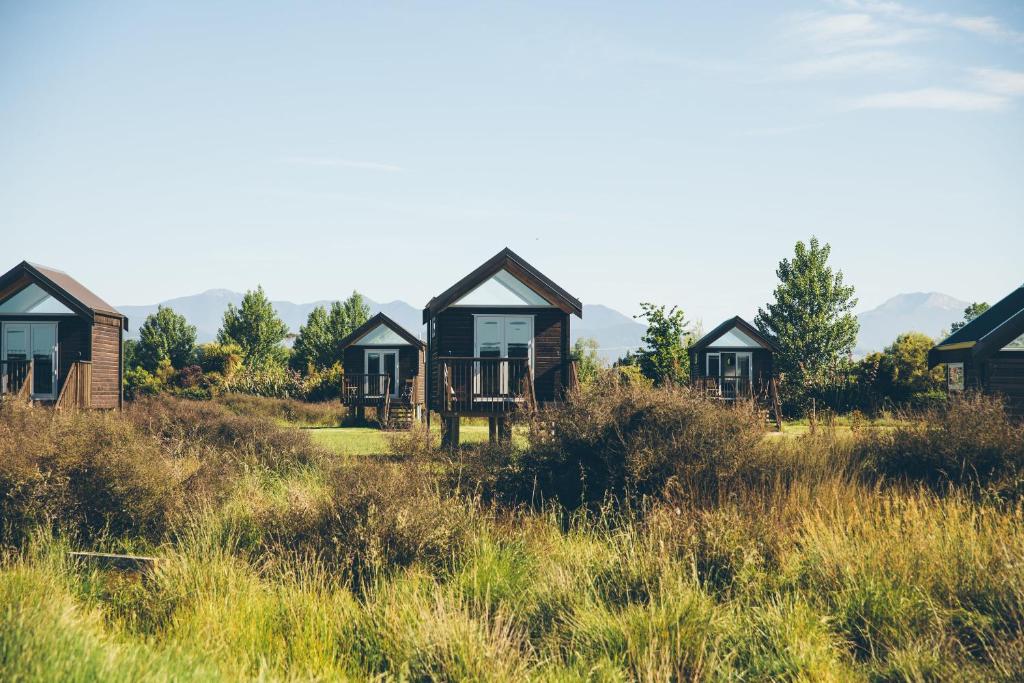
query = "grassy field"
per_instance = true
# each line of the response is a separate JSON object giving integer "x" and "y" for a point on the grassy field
{"x": 373, "y": 441}
{"x": 662, "y": 539}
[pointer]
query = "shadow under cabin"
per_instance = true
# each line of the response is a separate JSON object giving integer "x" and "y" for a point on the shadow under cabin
{"x": 498, "y": 346}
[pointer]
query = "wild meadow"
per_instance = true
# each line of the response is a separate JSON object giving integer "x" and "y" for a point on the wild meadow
{"x": 656, "y": 537}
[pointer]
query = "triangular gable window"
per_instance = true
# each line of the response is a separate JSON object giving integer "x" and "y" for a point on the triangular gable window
{"x": 382, "y": 335}
{"x": 1016, "y": 345}
{"x": 502, "y": 289}
{"x": 33, "y": 300}
{"x": 734, "y": 338}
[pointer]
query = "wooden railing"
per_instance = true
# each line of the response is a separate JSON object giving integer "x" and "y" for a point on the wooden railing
{"x": 16, "y": 378}
{"x": 486, "y": 385}
{"x": 77, "y": 390}
{"x": 727, "y": 388}
{"x": 365, "y": 389}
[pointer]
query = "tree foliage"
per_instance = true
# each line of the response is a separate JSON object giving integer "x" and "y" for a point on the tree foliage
{"x": 588, "y": 363}
{"x": 664, "y": 358}
{"x": 256, "y": 329}
{"x": 165, "y": 335}
{"x": 318, "y": 344}
{"x": 900, "y": 373}
{"x": 811, "y": 319}
{"x": 970, "y": 313}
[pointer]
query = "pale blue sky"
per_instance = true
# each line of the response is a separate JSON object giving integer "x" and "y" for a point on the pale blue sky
{"x": 632, "y": 151}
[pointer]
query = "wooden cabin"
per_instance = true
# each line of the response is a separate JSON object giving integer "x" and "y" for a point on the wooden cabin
{"x": 60, "y": 344}
{"x": 733, "y": 361}
{"x": 987, "y": 354}
{"x": 384, "y": 366}
{"x": 498, "y": 343}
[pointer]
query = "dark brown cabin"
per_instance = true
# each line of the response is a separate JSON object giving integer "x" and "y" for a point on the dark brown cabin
{"x": 384, "y": 369}
{"x": 987, "y": 354}
{"x": 733, "y": 361}
{"x": 498, "y": 341}
{"x": 60, "y": 344}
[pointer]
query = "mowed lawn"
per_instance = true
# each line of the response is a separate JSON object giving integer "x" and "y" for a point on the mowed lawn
{"x": 372, "y": 441}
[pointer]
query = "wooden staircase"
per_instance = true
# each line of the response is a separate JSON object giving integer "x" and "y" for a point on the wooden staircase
{"x": 401, "y": 417}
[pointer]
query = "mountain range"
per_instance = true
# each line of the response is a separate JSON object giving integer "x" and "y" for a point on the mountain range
{"x": 615, "y": 332}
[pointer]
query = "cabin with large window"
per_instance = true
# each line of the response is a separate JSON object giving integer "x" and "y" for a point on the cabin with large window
{"x": 498, "y": 344}
{"x": 734, "y": 362}
{"x": 987, "y": 354}
{"x": 384, "y": 366}
{"x": 60, "y": 344}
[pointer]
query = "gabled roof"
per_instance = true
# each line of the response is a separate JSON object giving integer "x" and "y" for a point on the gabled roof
{"x": 986, "y": 334}
{"x": 509, "y": 261}
{"x": 372, "y": 323}
{"x": 60, "y": 286}
{"x": 743, "y": 326}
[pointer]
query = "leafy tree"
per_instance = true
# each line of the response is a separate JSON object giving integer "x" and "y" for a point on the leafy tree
{"x": 346, "y": 316}
{"x": 313, "y": 347}
{"x": 318, "y": 344}
{"x": 970, "y": 313}
{"x": 664, "y": 358}
{"x": 811, "y": 319}
{"x": 900, "y": 373}
{"x": 165, "y": 335}
{"x": 588, "y": 363}
{"x": 256, "y": 329}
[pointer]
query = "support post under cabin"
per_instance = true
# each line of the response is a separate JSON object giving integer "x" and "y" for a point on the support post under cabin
{"x": 450, "y": 432}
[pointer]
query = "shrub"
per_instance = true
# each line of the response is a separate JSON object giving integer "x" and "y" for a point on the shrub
{"x": 325, "y": 414}
{"x": 87, "y": 474}
{"x": 971, "y": 441}
{"x": 186, "y": 427}
{"x": 626, "y": 439}
{"x": 274, "y": 381}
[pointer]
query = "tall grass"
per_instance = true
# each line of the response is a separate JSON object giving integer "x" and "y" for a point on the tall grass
{"x": 800, "y": 561}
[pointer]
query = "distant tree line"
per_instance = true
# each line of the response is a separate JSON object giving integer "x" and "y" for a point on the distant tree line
{"x": 249, "y": 354}
{"x": 810, "y": 319}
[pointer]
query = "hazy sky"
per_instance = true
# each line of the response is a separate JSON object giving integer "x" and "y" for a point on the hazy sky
{"x": 632, "y": 151}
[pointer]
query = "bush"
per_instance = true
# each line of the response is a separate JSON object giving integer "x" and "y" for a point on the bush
{"x": 325, "y": 414}
{"x": 273, "y": 381}
{"x": 220, "y": 436}
{"x": 87, "y": 474}
{"x": 625, "y": 439}
{"x": 970, "y": 441}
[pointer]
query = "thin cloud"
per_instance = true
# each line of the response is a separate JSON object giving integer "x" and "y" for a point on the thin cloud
{"x": 829, "y": 33}
{"x": 933, "y": 98}
{"x": 987, "y": 26}
{"x": 343, "y": 163}
{"x": 1000, "y": 81}
{"x": 852, "y": 63}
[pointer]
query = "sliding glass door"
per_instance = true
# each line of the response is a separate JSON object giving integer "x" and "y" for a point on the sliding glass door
{"x": 381, "y": 370}
{"x": 36, "y": 342}
{"x": 501, "y": 337}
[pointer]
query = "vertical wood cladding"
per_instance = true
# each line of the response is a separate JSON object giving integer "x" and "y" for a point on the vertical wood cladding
{"x": 106, "y": 362}
{"x": 454, "y": 329}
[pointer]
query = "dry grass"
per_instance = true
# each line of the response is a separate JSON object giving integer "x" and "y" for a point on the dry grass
{"x": 799, "y": 562}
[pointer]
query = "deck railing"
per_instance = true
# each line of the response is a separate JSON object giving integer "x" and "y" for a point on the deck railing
{"x": 365, "y": 389}
{"x": 485, "y": 385}
{"x": 728, "y": 388}
{"x": 16, "y": 378}
{"x": 77, "y": 390}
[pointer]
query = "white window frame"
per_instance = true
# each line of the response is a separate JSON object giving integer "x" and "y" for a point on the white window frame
{"x": 29, "y": 325}
{"x": 530, "y": 318}
{"x": 366, "y": 370}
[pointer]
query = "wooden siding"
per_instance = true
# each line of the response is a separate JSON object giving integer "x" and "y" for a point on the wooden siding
{"x": 106, "y": 362}
{"x": 411, "y": 364}
{"x": 1005, "y": 376}
{"x": 454, "y": 337}
{"x": 73, "y": 344}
